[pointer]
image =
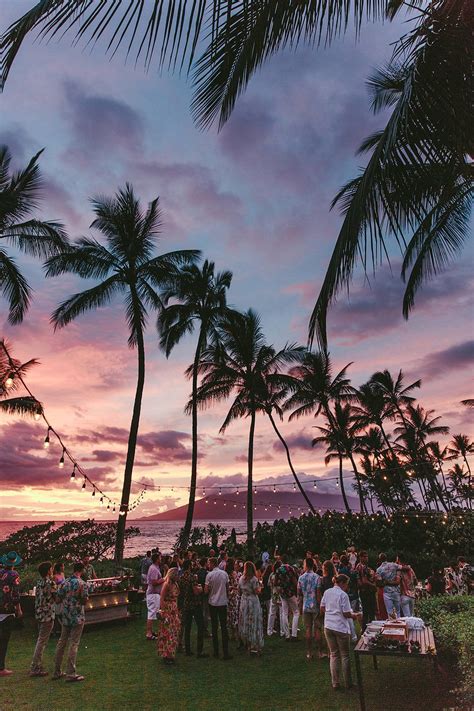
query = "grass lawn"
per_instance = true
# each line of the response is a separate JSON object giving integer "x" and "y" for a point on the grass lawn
{"x": 122, "y": 671}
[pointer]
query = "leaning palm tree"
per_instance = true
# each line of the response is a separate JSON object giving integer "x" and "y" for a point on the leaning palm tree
{"x": 202, "y": 300}
{"x": 274, "y": 391}
{"x": 125, "y": 266}
{"x": 19, "y": 196}
{"x": 461, "y": 446}
{"x": 12, "y": 372}
{"x": 394, "y": 391}
{"x": 330, "y": 438}
{"x": 239, "y": 364}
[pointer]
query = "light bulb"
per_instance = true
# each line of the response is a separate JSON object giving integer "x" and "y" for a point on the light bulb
{"x": 46, "y": 439}
{"x": 84, "y": 484}
{"x": 9, "y": 381}
{"x": 73, "y": 473}
{"x": 314, "y": 485}
{"x": 274, "y": 489}
{"x": 93, "y": 492}
{"x": 61, "y": 461}
{"x": 37, "y": 415}
{"x": 220, "y": 491}
{"x": 294, "y": 487}
{"x": 237, "y": 492}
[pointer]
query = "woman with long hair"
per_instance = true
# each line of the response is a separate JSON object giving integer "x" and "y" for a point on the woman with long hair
{"x": 250, "y": 614}
{"x": 329, "y": 571}
{"x": 168, "y": 635}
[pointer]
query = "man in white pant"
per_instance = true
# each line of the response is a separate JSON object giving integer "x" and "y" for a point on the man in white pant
{"x": 286, "y": 580}
{"x": 154, "y": 584}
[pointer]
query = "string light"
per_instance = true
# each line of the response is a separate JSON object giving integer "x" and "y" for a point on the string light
{"x": 73, "y": 473}
{"x": 314, "y": 485}
{"x": 9, "y": 381}
{"x": 61, "y": 461}
{"x": 238, "y": 491}
{"x": 93, "y": 491}
{"x": 84, "y": 484}
{"x": 46, "y": 439}
{"x": 274, "y": 489}
{"x": 220, "y": 491}
{"x": 294, "y": 487}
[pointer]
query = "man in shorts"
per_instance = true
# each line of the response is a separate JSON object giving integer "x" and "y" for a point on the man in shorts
{"x": 309, "y": 595}
{"x": 154, "y": 584}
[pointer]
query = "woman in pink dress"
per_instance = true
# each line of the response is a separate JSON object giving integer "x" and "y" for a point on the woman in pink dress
{"x": 168, "y": 635}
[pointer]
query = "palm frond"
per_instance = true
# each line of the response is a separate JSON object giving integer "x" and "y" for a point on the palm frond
{"x": 21, "y": 406}
{"x": 87, "y": 260}
{"x": 14, "y": 288}
{"x": 39, "y": 239}
{"x": 78, "y": 304}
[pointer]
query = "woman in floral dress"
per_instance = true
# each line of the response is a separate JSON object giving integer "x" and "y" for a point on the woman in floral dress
{"x": 250, "y": 614}
{"x": 168, "y": 635}
{"x": 233, "y": 604}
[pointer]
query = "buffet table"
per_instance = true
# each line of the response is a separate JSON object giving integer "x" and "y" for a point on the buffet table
{"x": 421, "y": 639}
{"x": 108, "y": 600}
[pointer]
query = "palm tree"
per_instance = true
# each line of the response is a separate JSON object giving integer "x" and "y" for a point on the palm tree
{"x": 125, "y": 266}
{"x": 19, "y": 196}
{"x": 12, "y": 371}
{"x": 461, "y": 446}
{"x": 394, "y": 391}
{"x": 241, "y": 363}
{"x": 418, "y": 179}
{"x": 331, "y": 439}
{"x": 274, "y": 391}
{"x": 459, "y": 484}
{"x": 344, "y": 428}
{"x": 202, "y": 299}
{"x": 440, "y": 455}
{"x": 418, "y": 425}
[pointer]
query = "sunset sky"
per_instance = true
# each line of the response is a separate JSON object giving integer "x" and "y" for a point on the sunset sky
{"x": 255, "y": 198}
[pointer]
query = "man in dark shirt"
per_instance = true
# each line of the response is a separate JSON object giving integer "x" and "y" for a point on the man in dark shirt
{"x": 367, "y": 589}
{"x": 191, "y": 593}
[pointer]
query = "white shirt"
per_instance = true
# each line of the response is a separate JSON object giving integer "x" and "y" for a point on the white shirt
{"x": 217, "y": 581}
{"x": 335, "y": 602}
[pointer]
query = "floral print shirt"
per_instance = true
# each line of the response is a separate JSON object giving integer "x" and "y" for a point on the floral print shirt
{"x": 45, "y": 600}
{"x": 9, "y": 590}
{"x": 308, "y": 585}
{"x": 286, "y": 580}
{"x": 73, "y": 594}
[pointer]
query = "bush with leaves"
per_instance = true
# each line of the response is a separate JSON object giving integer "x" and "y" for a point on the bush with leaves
{"x": 452, "y": 620}
{"x": 68, "y": 541}
{"x": 424, "y": 540}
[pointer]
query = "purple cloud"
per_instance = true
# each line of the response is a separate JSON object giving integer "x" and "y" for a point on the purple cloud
{"x": 448, "y": 360}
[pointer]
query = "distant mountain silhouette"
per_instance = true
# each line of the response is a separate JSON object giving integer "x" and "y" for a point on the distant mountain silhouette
{"x": 230, "y": 506}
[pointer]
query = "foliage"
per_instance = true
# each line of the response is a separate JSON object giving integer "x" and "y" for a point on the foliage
{"x": 12, "y": 371}
{"x": 452, "y": 620}
{"x": 19, "y": 194}
{"x": 201, "y": 538}
{"x": 444, "y": 537}
{"x": 67, "y": 542}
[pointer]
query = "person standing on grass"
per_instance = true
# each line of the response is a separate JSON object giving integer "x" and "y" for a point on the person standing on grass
{"x": 287, "y": 582}
{"x": 336, "y": 608}
{"x": 170, "y": 627}
{"x": 9, "y": 603}
{"x": 388, "y": 576}
{"x": 88, "y": 573}
{"x": 155, "y": 582}
{"x": 191, "y": 592}
{"x": 408, "y": 582}
{"x": 144, "y": 567}
{"x": 250, "y": 613}
{"x": 309, "y": 597}
{"x": 367, "y": 589}
{"x": 45, "y": 613}
{"x": 74, "y": 595}
{"x": 217, "y": 588}
{"x": 201, "y": 576}
{"x": 275, "y": 603}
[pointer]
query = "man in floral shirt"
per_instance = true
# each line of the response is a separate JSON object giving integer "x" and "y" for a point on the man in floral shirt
{"x": 309, "y": 593}
{"x": 73, "y": 594}
{"x": 9, "y": 603}
{"x": 286, "y": 581}
{"x": 45, "y": 612}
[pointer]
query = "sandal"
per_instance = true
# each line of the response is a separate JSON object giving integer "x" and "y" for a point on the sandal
{"x": 77, "y": 677}
{"x": 55, "y": 676}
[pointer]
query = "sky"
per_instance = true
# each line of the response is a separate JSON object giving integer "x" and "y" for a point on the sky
{"x": 255, "y": 198}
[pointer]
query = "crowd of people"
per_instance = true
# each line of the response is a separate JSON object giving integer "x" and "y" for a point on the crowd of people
{"x": 227, "y": 599}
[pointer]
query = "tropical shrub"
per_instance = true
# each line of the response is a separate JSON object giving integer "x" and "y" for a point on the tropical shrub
{"x": 69, "y": 541}
{"x": 452, "y": 620}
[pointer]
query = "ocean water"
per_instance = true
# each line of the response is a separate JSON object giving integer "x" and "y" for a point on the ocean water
{"x": 153, "y": 534}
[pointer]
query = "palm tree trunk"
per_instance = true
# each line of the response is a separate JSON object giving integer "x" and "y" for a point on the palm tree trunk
{"x": 341, "y": 486}
{"x": 363, "y": 508}
{"x": 132, "y": 444}
{"x": 194, "y": 456}
{"x": 469, "y": 502}
{"x": 302, "y": 491}
{"x": 250, "y": 487}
